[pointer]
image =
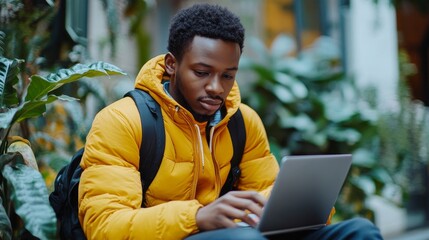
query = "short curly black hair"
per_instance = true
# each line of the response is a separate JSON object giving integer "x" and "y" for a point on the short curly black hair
{"x": 205, "y": 20}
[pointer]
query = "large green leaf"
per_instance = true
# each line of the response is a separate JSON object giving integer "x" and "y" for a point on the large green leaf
{"x": 364, "y": 158}
{"x": 6, "y": 118}
{"x": 259, "y": 49}
{"x": 324, "y": 49}
{"x": 346, "y": 135}
{"x": 5, "y": 226}
{"x": 39, "y": 86}
{"x": 300, "y": 67}
{"x": 300, "y": 122}
{"x": 28, "y": 110}
{"x": 36, "y": 108}
{"x": 29, "y": 195}
{"x": 2, "y": 37}
{"x": 317, "y": 138}
{"x": 336, "y": 108}
{"x": 282, "y": 46}
{"x": 9, "y": 70}
{"x": 298, "y": 89}
{"x": 381, "y": 175}
{"x": 264, "y": 73}
{"x": 365, "y": 183}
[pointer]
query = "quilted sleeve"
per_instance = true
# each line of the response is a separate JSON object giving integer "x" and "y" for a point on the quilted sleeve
{"x": 259, "y": 167}
{"x": 110, "y": 191}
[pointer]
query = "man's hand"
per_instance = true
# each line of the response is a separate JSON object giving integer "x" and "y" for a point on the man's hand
{"x": 233, "y": 205}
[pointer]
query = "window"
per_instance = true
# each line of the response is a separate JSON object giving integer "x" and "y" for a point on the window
{"x": 76, "y": 20}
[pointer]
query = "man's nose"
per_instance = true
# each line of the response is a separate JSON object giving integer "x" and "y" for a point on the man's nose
{"x": 214, "y": 86}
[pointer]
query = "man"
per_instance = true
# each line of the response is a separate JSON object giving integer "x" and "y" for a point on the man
{"x": 195, "y": 85}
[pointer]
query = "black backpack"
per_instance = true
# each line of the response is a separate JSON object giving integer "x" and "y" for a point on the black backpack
{"x": 64, "y": 197}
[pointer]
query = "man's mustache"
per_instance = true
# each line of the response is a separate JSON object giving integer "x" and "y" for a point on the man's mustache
{"x": 211, "y": 98}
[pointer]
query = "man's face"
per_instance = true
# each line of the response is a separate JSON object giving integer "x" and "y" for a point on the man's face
{"x": 204, "y": 76}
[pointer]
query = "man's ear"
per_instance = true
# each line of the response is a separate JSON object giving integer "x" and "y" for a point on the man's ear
{"x": 170, "y": 63}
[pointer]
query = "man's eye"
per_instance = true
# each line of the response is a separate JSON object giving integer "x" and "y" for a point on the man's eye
{"x": 200, "y": 74}
{"x": 228, "y": 76}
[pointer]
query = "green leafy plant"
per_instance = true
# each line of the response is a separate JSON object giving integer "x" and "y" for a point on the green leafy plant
{"x": 309, "y": 106}
{"x": 404, "y": 136}
{"x": 34, "y": 32}
{"x": 23, "y": 191}
{"x": 65, "y": 125}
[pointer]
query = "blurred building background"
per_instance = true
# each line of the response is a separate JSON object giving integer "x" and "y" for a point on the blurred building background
{"x": 371, "y": 38}
{"x": 365, "y": 32}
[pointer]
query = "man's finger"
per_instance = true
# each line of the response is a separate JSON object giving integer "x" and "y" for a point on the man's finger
{"x": 239, "y": 214}
{"x": 251, "y": 195}
{"x": 249, "y": 202}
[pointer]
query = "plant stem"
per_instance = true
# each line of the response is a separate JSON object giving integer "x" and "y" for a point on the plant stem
{"x": 3, "y": 146}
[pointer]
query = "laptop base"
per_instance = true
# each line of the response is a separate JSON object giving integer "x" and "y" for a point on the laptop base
{"x": 275, "y": 232}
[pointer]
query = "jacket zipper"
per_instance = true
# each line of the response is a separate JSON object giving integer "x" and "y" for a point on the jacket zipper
{"x": 197, "y": 163}
{"x": 200, "y": 141}
{"x": 216, "y": 166}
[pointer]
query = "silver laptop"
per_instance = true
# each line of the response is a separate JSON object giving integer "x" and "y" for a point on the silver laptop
{"x": 304, "y": 193}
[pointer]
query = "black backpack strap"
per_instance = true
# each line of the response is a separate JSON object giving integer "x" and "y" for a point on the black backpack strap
{"x": 237, "y": 130}
{"x": 153, "y": 137}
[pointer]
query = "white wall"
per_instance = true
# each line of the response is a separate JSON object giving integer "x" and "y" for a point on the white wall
{"x": 373, "y": 48}
{"x": 98, "y": 35}
{"x": 373, "y": 60}
{"x": 125, "y": 57}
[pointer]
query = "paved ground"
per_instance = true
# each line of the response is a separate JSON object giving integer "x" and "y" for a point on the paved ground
{"x": 418, "y": 234}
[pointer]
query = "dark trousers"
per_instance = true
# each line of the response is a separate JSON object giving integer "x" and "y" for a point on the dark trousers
{"x": 355, "y": 229}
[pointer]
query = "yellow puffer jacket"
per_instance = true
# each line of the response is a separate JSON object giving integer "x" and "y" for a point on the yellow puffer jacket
{"x": 191, "y": 174}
